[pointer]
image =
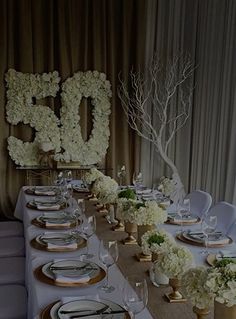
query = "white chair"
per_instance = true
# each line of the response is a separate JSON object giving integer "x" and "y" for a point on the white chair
{"x": 12, "y": 247}
{"x": 11, "y": 228}
{"x": 226, "y": 215}
{"x": 232, "y": 232}
{"x": 200, "y": 202}
{"x": 13, "y": 302}
{"x": 12, "y": 270}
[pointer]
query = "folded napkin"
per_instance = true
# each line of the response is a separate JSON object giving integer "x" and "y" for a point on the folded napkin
{"x": 190, "y": 219}
{"x": 164, "y": 204}
{"x": 227, "y": 254}
{"x": 65, "y": 279}
{"x": 62, "y": 245}
{"x": 62, "y": 224}
{"x": 221, "y": 240}
{"x": 48, "y": 206}
{"x": 44, "y": 192}
{"x": 143, "y": 191}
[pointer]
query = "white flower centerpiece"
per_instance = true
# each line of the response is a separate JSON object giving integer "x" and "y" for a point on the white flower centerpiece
{"x": 174, "y": 263}
{"x": 144, "y": 213}
{"x": 194, "y": 283}
{"x": 221, "y": 282}
{"x": 106, "y": 188}
{"x": 156, "y": 242}
{"x": 92, "y": 175}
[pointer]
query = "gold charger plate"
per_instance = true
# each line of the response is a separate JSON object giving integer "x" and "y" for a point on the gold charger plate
{"x": 192, "y": 242}
{"x": 43, "y": 247}
{"x": 62, "y": 206}
{"x": 43, "y": 278}
{"x": 45, "y": 313}
{"x": 185, "y": 222}
{"x": 42, "y": 224}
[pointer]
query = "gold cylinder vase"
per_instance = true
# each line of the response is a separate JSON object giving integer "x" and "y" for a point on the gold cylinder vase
{"x": 201, "y": 313}
{"x": 221, "y": 311}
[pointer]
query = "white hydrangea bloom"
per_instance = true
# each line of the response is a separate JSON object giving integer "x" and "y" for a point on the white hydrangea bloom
{"x": 149, "y": 213}
{"x": 221, "y": 282}
{"x": 105, "y": 188}
{"x": 92, "y": 175}
{"x": 175, "y": 262}
{"x": 193, "y": 282}
{"x": 148, "y": 248}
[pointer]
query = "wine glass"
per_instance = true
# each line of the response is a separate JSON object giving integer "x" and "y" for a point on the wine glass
{"x": 209, "y": 223}
{"x": 183, "y": 210}
{"x": 135, "y": 294}
{"x": 108, "y": 254}
{"x": 137, "y": 180}
{"x": 68, "y": 176}
{"x": 121, "y": 173}
{"x": 88, "y": 229}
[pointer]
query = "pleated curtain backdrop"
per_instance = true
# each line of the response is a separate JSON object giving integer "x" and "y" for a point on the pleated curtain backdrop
{"x": 205, "y": 149}
{"x": 70, "y": 36}
{"x": 112, "y": 36}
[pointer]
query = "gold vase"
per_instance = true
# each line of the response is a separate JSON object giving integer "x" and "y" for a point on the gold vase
{"x": 221, "y": 311}
{"x": 119, "y": 226}
{"x": 130, "y": 229}
{"x": 201, "y": 313}
{"x": 175, "y": 295}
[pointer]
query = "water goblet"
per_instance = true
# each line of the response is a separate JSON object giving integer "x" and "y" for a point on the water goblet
{"x": 209, "y": 223}
{"x": 183, "y": 210}
{"x": 88, "y": 229}
{"x": 137, "y": 180}
{"x": 135, "y": 294}
{"x": 108, "y": 254}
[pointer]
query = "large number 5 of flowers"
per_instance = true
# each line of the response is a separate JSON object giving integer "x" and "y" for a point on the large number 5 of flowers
{"x": 67, "y": 140}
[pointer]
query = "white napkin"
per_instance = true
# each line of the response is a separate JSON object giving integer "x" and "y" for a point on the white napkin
{"x": 48, "y": 206}
{"x": 144, "y": 191}
{"x": 64, "y": 246}
{"x": 52, "y": 224}
{"x": 227, "y": 253}
{"x": 44, "y": 192}
{"x": 165, "y": 203}
{"x": 185, "y": 220}
{"x": 64, "y": 279}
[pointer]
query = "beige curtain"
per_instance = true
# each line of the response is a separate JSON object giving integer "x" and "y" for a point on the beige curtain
{"x": 70, "y": 35}
{"x": 205, "y": 149}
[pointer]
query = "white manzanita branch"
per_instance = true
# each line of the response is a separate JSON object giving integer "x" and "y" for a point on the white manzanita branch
{"x": 153, "y": 94}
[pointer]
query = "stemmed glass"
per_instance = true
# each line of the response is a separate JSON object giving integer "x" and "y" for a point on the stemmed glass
{"x": 137, "y": 180}
{"x": 121, "y": 173}
{"x": 183, "y": 209}
{"x": 209, "y": 223}
{"x": 135, "y": 294}
{"x": 108, "y": 254}
{"x": 88, "y": 229}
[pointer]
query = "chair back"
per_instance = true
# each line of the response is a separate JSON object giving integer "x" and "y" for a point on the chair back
{"x": 226, "y": 215}
{"x": 200, "y": 202}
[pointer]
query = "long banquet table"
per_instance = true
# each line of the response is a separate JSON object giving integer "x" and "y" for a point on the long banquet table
{"x": 41, "y": 294}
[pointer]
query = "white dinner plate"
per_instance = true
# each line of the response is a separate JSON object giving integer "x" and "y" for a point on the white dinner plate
{"x": 85, "y": 304}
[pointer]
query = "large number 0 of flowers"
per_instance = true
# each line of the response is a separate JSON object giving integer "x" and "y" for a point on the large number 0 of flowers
{"x": 85, "y": 84}
{"x": 21, "y": 88}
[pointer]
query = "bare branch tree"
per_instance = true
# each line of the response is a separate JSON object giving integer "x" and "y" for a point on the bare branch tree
{"x": 152, "y": 94}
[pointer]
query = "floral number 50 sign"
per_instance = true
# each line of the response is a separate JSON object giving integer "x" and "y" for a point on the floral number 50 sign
{"x": 67, "y": 139}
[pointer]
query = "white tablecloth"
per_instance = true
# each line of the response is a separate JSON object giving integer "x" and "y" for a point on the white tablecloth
{"x": 41, "y": 294}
